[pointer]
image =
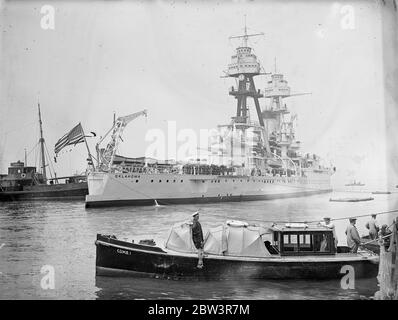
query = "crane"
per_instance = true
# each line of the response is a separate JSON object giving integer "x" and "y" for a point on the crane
{"x": 105, "y": 156}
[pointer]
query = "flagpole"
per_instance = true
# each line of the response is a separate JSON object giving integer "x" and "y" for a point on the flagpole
{"x": 88, "y": 149}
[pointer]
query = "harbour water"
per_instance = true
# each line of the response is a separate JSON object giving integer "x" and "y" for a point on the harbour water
{"x": 61, "y": 235}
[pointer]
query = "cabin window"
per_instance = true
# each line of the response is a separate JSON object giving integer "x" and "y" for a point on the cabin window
{"x": 290, "y": 242}
{"x": 302, "y": 242}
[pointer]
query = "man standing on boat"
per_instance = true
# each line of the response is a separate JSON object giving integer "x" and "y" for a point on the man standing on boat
{"x": 197, "y": 237}
{"x": 328, "y": 224}
{"x": 373, "y": 227}
{"x": 353, "y": 238}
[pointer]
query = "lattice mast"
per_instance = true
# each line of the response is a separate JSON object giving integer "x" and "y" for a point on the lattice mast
{"x": 276, "y": 91}
{"x": 244, "y": 67}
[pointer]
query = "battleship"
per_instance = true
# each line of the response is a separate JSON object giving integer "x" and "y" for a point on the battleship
{"x": 23, "y": 182}
{"x": 254, "y": 157}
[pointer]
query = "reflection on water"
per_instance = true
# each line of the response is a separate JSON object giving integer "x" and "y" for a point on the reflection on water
{"x": 144, "y": 288}
{"x": 62, "y": 235}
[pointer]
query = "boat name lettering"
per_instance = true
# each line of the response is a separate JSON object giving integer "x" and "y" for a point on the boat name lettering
{"x": 123, "y": 252}
{"x": 127, "y": 176}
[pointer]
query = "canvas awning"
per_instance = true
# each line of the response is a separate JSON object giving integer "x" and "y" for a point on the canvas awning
{"x": 234, "y": 238}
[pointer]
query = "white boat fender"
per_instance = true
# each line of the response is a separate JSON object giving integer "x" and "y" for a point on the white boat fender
{"x": 237, "y": 223}
{"x": 296, "y": 225}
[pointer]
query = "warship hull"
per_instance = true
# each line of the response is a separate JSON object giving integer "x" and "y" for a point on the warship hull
{"x": 109, "y": 189}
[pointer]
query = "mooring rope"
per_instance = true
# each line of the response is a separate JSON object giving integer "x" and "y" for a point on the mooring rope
{"x": 387, "y": 236}
{"x": 357, "y": 216}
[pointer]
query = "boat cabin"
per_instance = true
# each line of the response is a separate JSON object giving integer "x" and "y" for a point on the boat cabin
{"x": 20, "y": 175}
{"x": 299, "y": 239}
{"x": 237, "y": 238}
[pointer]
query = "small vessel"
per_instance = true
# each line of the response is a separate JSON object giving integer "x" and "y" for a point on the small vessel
{"x": 355, "y": 184}
{"x": 381, "y": 192}
{"x": 23, "y": 182}
{"x": 351, "y": 199}
{"x": 235, "y": 250}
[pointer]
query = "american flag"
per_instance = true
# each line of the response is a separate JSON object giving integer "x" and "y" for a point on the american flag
{"x": 73, "y": 137}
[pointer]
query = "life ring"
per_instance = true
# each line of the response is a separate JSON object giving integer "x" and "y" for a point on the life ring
{"x": 23, "y": 175}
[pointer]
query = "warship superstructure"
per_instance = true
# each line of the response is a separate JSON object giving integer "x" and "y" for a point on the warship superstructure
{"x": 251, "y": 158}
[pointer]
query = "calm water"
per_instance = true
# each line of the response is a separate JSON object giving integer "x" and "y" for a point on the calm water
{"x": 62, "y": 235}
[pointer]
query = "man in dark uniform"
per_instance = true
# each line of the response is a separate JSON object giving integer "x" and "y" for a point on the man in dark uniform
{"x": 197, "y": 237}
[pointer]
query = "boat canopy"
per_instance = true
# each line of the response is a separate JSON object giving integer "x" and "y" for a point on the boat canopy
{"x": 180, "y": 238}
{"x": 234, "y": 238}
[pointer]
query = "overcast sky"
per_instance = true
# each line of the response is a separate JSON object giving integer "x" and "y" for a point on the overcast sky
{"x": 167, "y": 57}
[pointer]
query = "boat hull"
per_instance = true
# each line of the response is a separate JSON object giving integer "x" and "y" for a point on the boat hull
{"x": 166, "y": 201}
{"x": 108, "y": 189}
{"x": 119, "y": 258}
{"x": 68, "y": 191}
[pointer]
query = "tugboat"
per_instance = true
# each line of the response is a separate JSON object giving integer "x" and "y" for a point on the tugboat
{"x": 24, "y": 182}
{"x": 235, "y": 250}
{"x": 253, "y": 157}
